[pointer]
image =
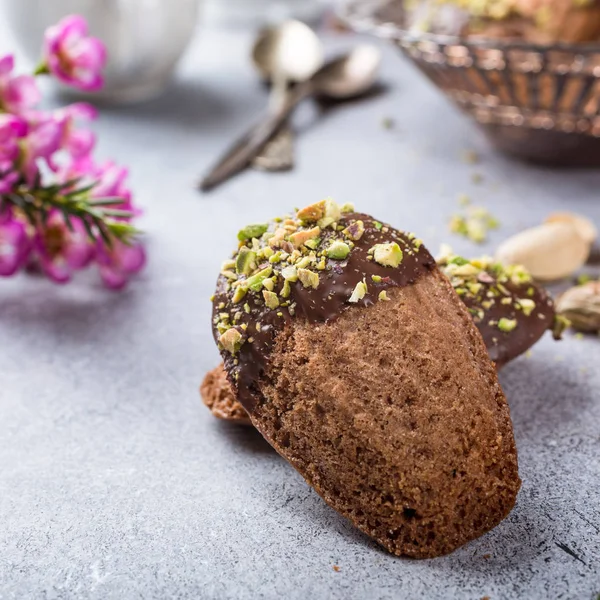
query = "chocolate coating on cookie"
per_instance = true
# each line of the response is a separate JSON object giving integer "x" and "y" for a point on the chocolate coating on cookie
{"x": 313, "y": 267}
{"x": 510, "y": 310}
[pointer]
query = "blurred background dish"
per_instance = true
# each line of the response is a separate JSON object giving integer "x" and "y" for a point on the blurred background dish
{"x": 144, "y": 38}
{"x": 260, "y": 12}
{"x": 537, "y": 100}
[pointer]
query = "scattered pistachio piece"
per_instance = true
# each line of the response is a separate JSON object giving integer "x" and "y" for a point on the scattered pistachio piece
{"x": 376, "y": 278}
{"x": 470, "y": 157}
{"x": 347, "y": 208}
{"x": 231, "y": 340}
{"x": 383, "y": 296}
{"x": 338, "y": 250}
{"x": 359, "y": 292}
{"x": 308, "y": 278}
{"x": 252, "y": 231}
{"x": 313, "y": 243}
{"x": 507, "y": 325}
{"x": 388, "y": 255}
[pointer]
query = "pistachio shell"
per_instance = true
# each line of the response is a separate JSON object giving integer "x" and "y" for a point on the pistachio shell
{"x": 581, "y": 305}
{"x": 550, "y": 251}
{"x": 587, "y": 230}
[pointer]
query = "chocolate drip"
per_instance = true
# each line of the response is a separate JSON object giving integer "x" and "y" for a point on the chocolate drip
{"x": 261, "y": 325}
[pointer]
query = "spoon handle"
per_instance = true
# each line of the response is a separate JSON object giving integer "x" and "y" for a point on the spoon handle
{"x": 245, "y": 149}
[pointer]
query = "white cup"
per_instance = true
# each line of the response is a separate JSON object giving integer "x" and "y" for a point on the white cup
{"x": 144, "y": 38}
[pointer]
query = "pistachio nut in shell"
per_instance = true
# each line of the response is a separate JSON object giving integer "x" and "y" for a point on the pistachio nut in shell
{"x": 581, "y": 305}
{"x": 587, "y": 230}
{"x": 549, "y": 252}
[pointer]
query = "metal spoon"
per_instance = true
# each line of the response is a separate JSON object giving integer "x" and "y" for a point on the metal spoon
{"x": 345, "y": 77}
{"x": 288, "y": 53}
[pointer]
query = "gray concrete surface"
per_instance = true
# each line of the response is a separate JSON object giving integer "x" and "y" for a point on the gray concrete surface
{"x": 116, "y": 483}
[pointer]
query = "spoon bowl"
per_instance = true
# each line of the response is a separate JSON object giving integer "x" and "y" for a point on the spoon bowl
{"x": 291, "y": 51}
{"x": 350, "y": 75}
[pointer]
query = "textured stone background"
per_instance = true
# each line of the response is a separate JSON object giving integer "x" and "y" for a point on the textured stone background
{"x": 115, "y": 482}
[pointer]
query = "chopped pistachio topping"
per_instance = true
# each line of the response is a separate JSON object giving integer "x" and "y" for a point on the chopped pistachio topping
{"x": 301, "y": 237}
{"x": 245, "y": 262}
{"x": 290, "y": 273}
{"x": 231, "y": 340}
{"x": 313, "y": 212}
{"x": 355, "y": 230}
{"x": 338, "y": 250}
{"x": 347, "y": 208}
{"x": 376, "y": 278}
{"x": 256, "y": 281}
{"x": 286, "y": 289}
{"x": 359, "y": 292}
{"x": 507, "y": 325}
{"x": 484, "y": 282}
{"x": 561, "y": 324}
{"x": 383, "y": 296}
{"x": 308, "y": 278}
{"x": 388, "y": 255}
{"x": 252, "y": 231}
{"x": 527, "y": 306}
{"x": 271, "y": 299}
{"x": 227, "y": 265}
{"x": 239, "y": 294}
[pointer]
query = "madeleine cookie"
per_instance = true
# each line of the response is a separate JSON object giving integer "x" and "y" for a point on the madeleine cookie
{"x": 357, "y": 361}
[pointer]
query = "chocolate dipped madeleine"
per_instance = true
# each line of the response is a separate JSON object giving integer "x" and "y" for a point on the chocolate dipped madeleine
{"x": 357, "y": 361}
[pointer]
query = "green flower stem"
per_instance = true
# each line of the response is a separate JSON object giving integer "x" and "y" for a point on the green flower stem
{"x": 98, "y": 215}
{"x": 41, "y": 69}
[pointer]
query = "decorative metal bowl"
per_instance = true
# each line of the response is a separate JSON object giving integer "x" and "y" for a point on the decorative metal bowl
{"x": 538, "y": 102}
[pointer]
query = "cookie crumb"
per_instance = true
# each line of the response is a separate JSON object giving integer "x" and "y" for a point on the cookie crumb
{"x": 336, "y": 568}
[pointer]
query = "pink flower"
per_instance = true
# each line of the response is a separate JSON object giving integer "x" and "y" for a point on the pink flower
{"x": 72, "y": 56}
{"x": 11, "y": 129}
{"x": 42, "y": 142}
{"x": 77, "y": 142}
{"x": 14, "y": 245}
{"x": 119, "y": 263}
{"x": 60, "y": 250}
{"x": 109, "y": 177}
{"x": 17, "y": 94}
{"x": 8, "y": 177}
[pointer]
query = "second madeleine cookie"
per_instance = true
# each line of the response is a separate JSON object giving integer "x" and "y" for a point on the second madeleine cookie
{"x": 357, "y": 361}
